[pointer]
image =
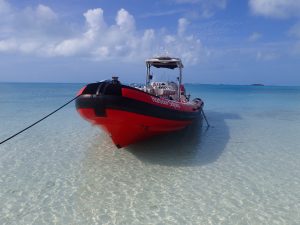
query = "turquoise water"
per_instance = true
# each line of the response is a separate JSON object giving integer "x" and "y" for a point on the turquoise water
{"x": 244, "y": 169}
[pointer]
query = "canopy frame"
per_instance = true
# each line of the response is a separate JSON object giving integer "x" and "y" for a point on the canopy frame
{"x": 164, "y": 62}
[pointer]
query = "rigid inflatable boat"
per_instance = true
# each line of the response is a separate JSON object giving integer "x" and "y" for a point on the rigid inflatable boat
{"x": 133, "y": 113}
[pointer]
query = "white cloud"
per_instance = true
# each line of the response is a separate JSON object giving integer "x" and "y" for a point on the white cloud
{"x": 212, "y": 3}
{"x": 125, "y": 21}
{"x": 39, "y": 16}
{"x": 162, "y": 13}
{"x": 254, "y": 36}
{"x": 12, "y": 45}
{"x": 267, "y": 56}
{"x": 95, "y": 24}
{"x": 182, "y": 26}
{"x": 275, "y": 8}
{"x": 8, "y": 45}
{"x": 94, "y": 19}
{"x": 39, "y": 31}
{"x": 206, "y": 8}
{"x": 45, "y": 13}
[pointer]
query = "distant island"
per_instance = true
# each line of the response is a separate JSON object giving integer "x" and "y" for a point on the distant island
{"x": 257, "y": 85}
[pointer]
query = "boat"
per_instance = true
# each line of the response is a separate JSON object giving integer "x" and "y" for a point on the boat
{"x": 133, "y": 113}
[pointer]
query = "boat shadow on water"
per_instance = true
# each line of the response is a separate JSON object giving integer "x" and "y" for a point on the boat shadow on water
{"x": 195, "y": 145}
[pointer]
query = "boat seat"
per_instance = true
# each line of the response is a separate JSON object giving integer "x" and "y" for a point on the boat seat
{"x": 163, "y": 91}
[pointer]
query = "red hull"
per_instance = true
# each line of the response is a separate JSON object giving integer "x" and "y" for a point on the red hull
{"x": 126, "y": 128}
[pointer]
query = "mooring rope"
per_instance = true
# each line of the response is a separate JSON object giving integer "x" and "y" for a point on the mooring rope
{"x": 21, "y": 131}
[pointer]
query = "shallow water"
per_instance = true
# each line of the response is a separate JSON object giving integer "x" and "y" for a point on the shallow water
{"x": 244, "y": 169}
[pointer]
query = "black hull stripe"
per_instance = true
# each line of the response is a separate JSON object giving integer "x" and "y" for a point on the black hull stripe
{"x": 102, "y": 102}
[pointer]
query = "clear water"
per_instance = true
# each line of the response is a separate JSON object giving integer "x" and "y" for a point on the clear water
{"x": 244, "y": 169}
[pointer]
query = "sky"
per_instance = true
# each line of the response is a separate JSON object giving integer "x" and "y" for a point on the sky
{"x": 219, "y": 41}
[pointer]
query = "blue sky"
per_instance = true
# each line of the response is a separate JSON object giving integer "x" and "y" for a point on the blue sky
{"x": 219, "y": 41}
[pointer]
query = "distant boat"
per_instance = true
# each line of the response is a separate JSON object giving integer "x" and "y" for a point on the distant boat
{"x": 130, "y": 114}
{"x": 257, "y": 85}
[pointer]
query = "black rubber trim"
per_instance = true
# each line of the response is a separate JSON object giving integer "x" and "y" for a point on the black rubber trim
{"x": 103, "y": 102}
